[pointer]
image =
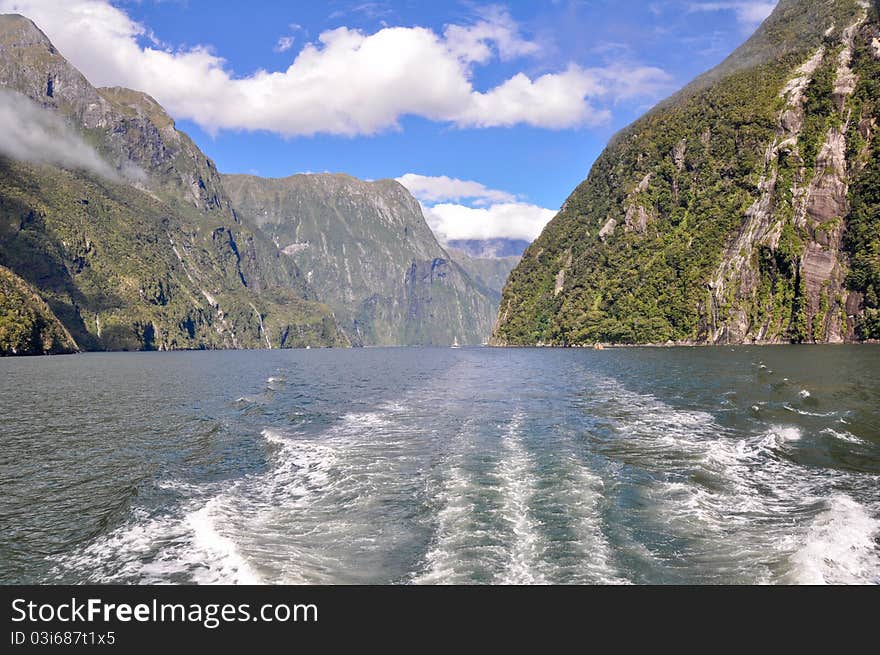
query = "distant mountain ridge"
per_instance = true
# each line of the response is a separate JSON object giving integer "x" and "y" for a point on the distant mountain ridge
{"x": 743, "y": 209}
{"x": 366, "y": 249}
{"x": 489, "y": 248}
{"x": 488, "y": 272}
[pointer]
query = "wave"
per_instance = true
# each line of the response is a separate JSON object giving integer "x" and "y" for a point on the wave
{"x": 526, "y": 550}
{"x": 845, "y": 435}
{"x": 220, "y": 558}
{"x": 723, "y": 504}
{"x": 840, "y": 547}
{"x": 454, "y": 511}
{"x": 162, "y": 549}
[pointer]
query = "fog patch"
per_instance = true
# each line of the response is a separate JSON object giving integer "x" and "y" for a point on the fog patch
{"x": 37, "y": 135}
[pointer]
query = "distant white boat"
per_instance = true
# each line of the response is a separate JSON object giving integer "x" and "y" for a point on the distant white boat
{"x": 455, "y": 343}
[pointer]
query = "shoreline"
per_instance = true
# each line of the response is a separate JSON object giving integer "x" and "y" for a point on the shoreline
{"x": 597, "y": 346}
{"x": 683, "y": 344}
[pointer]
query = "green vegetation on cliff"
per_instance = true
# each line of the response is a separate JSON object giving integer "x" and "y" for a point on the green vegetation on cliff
{"x": 125, "y": 230}
{"x": 723, "y": 215}
{"x": 370, "y": 255}
{"x": 27, "y": 325}
{"x": 862, "y": 237}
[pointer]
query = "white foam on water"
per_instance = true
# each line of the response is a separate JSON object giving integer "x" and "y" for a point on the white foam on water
{"x": 218, "y": 556}
{"x": 324, "y": 511}
{"x": 201, "y": 542}
{"x": 804, "y": 412}
{"x": 179, "y": 486}
{"x": 361, "y": 422}
{"x": 518, "y": 487}
{"x": 151, "y": 550}
{"x": 846, "y": 435}
{"x": 443, "y": 562}
{"x": 840, "y": 547}
{"x": 595, "y": 552}
{"x": 785, "y": 433}
{"x": 119, "y": 554}
{"x": 730, "y": 501}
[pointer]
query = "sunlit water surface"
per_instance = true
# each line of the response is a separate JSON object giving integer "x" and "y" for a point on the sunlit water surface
{"x": 702, "y": 465}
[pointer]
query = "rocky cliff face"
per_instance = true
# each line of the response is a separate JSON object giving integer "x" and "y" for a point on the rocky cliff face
{"x": 136, "y": 246}
{"x": 742, "y": 209}
{"x": 369, "y": 253}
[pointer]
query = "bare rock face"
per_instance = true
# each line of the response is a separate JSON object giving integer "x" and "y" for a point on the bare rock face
{"x": 820, "y": 207}
{"x": 30, "y": 64}
{"x": 140, "y": 137}
{"x": 637, "y": 219}
{"x": 608, "y": 229}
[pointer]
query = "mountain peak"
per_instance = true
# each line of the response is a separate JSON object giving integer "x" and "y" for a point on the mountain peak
{"x": 31, "y": 65}
{"x": 21, "y": 30}
{"x": 140, "y": 103}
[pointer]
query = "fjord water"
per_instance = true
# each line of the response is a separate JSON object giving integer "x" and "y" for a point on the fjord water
{"x": 701, "y": 465}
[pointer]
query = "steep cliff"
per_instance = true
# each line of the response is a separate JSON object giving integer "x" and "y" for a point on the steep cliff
{"x": 27, "y": 325}
{"x": 122, "y": 225}
{"x": 368, "y": 252}
{"x": 742, "y": 209}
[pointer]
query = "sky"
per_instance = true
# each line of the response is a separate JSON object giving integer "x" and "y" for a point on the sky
{"x": 490, "y": 113}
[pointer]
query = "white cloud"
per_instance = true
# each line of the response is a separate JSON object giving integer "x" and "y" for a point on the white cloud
{"x": 31, "y": 133}
{"x": 284, "y": 44}
{"x": 510, "y": 220}
{"x": 436, "y": 189}
{"x": 494, "y": 214}
{"x": 495, "y": 31}
{"x": 749, "y": 13}
{"x": 347, "y": 82}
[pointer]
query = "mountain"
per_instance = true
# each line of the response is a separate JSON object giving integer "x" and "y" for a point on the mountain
{"x": 27, "y": 325}
{"x": 488, "y": 272}
{"x": 368, "y": 252}
{"x": 745, "y": 208}
{"x": 489, "y": 248}
{"x": 121, "y": 224}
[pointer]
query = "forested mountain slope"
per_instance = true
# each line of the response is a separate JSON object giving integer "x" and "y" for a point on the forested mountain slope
{"x": 121, "y": 225}
{"x": 746, "y": 208}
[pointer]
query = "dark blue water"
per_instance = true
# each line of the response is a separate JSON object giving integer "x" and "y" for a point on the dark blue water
{"x": 709, "y": 465}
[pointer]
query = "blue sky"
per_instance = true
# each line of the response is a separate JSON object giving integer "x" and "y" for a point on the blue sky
{"x": 518, "y": 97}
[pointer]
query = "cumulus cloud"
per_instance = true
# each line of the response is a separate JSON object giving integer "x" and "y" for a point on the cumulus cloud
{"x": 34, "y": 134}
{"x": 749, "y": 13}
{"x": 346, "y": 82}
{"x": 488, "y": 213}
{"x": 509, "y": 220}
{"x": 437, "y": 188}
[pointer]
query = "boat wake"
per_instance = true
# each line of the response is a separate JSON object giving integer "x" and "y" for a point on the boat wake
{"x": 623, "y": 488}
